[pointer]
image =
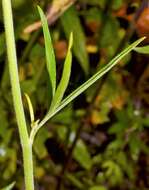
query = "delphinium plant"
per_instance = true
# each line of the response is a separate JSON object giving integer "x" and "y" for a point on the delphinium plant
{"x": 57, "y": 91}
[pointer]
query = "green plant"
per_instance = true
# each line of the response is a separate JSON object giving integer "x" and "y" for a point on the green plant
{"x": 57, "y": 101}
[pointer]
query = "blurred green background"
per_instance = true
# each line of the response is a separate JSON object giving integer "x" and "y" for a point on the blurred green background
{"x": 100, "y": 141}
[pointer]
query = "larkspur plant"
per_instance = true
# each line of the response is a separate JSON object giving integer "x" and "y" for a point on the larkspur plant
{"x": 57, "y": 91}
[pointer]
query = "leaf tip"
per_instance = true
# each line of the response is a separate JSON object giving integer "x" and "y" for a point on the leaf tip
{"x": 143, "y": 38}
{"x": 70, "y": 40}
{"x": 30, "y": 106}
{"x": 40, "y": 11}
{"x": 39, "y": 8}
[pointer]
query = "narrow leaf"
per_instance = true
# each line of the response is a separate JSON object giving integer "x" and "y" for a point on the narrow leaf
{"x": 9, "y": 187}
{"x": 95, "y": 77}
{"x": 30, "y": 106}
{"x": 144, "y": 49}
{"x": 65, "y": 78}
{"x": 50, "y": 56}
{"x": 86, "y": 85}
{"x": 70, "y": 18}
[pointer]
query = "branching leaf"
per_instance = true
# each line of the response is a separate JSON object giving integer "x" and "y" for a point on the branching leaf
{"x": 50, "y": 56}
{"x": 86, "y": 85}
{"x": 97, "y": 76}
{"x": 144, "y": 49}
{"x": 65, "y": 78}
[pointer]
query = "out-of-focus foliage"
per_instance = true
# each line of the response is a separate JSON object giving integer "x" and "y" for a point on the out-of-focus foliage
{"x": 9, "y": 187}
{"x": 111, "y": 151}
{"x": 71, "y": 19}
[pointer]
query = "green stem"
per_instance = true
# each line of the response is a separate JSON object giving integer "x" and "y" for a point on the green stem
{"x": 16, "y": 93}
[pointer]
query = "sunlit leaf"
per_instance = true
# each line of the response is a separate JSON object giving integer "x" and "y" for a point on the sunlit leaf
{"x": 9, "y": 187}
{"x": 98, "y": 75}
{"x": 50, "y": 56}
{"x": 144, "y": 49}
{"x": 31, "y": 110}
{"x": 87, "y": 84}
{"x": 65, "y": 78}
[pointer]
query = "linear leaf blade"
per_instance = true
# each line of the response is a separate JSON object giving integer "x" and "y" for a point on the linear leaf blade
{"x": 86, "y": 85}
{"x": 9, "y": 187}
{"x": 95, "y": 77}
{"x": 50, "y": 56}
{"x": 143, "y": 50}
{"x": 65, "y": 77}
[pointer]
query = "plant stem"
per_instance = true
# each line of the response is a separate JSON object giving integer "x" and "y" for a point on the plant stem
{"x": 16, "y": 93}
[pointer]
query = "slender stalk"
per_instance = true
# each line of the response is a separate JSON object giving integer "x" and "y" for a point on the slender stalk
{"x": 16, "y": 93}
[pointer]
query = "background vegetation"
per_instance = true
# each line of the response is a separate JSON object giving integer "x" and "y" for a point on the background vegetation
{"x": 100, "y": 141}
